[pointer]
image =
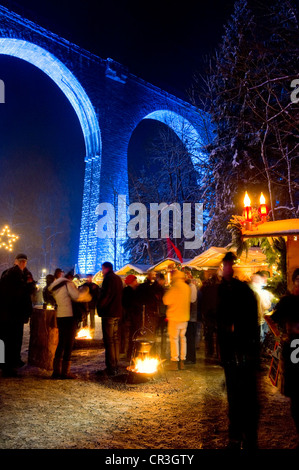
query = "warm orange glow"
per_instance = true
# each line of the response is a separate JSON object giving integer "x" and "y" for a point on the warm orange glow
{"x": 263, "y": 209}
{"x": 247, "y": 201}
{"x": 262, "y": 199}
{"x": 247, "y": 213}
{"x": 84, "y": 333}
{"x": 148, "y": 365}
{"x": 7, "y": 239}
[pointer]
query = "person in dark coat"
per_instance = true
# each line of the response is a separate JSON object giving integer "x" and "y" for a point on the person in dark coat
{"x": 286, "y": 317}
{"x": 16, "y": 288}
{"x": 132, "y": 313}
{"x": 47, "y": 296}
{"x": 207, "y": 305}
{"x": 192, "y": 324}
{"x": 148, "y": 295}
{"x": 161, "y": 327}
{"x": 94, "y": 291}
{"x": 238, "y": 337}
{"x": 109, "y": 307}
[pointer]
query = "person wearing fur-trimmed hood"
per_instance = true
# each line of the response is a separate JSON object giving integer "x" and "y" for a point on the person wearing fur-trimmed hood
{"x": 65, "y": 292}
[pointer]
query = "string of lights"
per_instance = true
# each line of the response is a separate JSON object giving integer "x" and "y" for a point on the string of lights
{"x": 7, "y": 239}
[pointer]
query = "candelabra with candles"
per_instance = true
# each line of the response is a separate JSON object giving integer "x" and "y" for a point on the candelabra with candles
{"x": 248, "y": 212}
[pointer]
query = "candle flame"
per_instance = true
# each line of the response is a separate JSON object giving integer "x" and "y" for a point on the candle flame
{"x": 262, "y": 199}
{"x": 247, "y": 201}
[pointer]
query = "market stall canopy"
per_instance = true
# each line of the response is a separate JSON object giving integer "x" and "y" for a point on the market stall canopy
{"x": 212, "y": 258}
{"x": 138, "y": 268}
{"x": 277, "y": 228}
{"x": 209, "y": 258}
{"x": 165, "y": 264}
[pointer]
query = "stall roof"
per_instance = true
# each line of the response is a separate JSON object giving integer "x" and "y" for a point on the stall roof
{"x": 212, "y": 258}
{"x": 209, "y": 258}
{"x": 275, "y": 228}
{"x": 164, "y": 264}
{"x": 138, "y": 268}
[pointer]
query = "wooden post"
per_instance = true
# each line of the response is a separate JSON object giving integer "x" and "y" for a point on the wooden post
{"x": 43, "y": 338}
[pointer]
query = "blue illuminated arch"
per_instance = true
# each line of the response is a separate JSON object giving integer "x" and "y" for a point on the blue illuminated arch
{"x": 65, "y": 80}
{"x": 187, "y": 133}
{"x": 72, "y": 89}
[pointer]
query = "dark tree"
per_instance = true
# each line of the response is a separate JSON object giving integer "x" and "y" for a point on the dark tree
{"x": 248, "y": 91}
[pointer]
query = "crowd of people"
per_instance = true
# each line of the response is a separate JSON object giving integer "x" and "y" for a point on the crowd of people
{"x": 236, "y": 312}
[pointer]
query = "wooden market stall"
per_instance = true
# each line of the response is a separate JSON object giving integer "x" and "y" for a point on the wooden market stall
{"x": 289, "y": 229}
{"x": 247, "y": 264}
{"x": 166, "y": 266}
{"x": 130, "y": 268}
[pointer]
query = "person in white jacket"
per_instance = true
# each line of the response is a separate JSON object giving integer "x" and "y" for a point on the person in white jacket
{"x": 64, "y": 292}
{"x": 177, "y": 299}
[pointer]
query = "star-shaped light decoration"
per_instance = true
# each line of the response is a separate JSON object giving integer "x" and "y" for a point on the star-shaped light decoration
{"x": 7, "y": 239}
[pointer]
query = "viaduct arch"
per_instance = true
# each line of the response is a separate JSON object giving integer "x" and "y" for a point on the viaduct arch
{"x": 109, "y": 103}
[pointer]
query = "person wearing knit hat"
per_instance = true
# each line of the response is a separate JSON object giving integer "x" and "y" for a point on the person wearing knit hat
{"x": 21, "y": 256}
{"x": 130, "y": 279}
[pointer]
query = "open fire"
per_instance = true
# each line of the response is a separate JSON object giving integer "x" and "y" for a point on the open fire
{"x": 147, "y": 365}
{"x": 84, "y": 333}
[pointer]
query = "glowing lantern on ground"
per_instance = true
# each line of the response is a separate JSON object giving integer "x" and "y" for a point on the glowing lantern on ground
{"x": 263, "y": 209}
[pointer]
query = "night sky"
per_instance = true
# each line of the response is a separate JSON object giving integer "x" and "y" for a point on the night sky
{"x": 164, "y": 43}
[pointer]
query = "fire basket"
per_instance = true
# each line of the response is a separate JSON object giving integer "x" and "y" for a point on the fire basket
{"x": 143, "y": 365}
{"x": 85, "y": 339}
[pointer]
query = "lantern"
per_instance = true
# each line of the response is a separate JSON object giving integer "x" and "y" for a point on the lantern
{"x": 263, "y": 209}
{"x": 142, "y": 364}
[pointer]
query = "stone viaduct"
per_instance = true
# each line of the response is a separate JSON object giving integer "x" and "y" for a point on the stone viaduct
{"x": 109, "y": 102}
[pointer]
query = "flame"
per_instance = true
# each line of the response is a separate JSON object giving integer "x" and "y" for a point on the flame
{"x": 262, "y": 199}
{"x": 84, "y": 333}
{"x": 247, "y": 201}
{"x": 148, "y": 365}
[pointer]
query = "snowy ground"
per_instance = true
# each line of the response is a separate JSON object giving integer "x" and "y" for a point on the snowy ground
{"x": 176, "y": 410}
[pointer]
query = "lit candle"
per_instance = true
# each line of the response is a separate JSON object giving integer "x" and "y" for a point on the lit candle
{"x": 247, "y": 208}
{"x": 263, "y": 209}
